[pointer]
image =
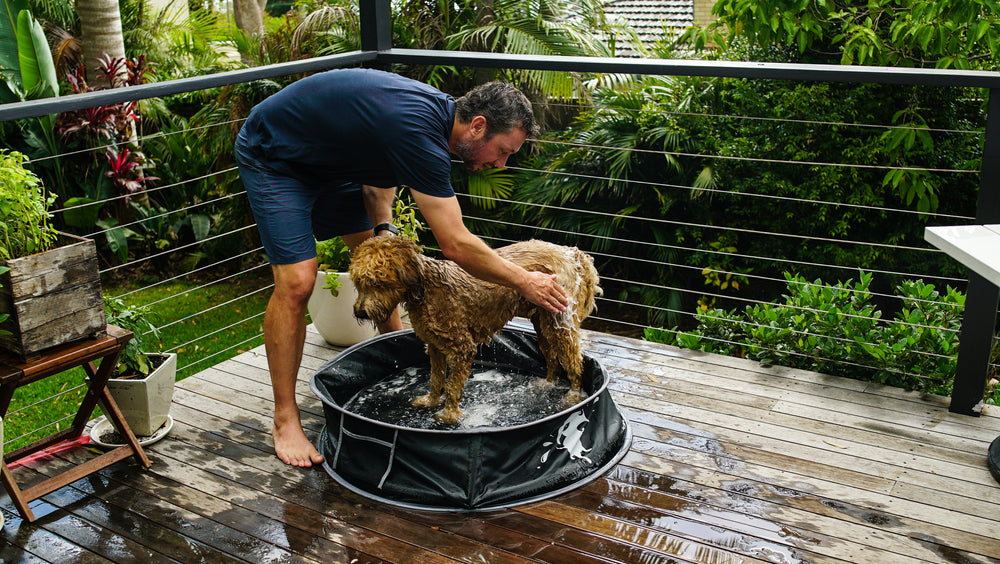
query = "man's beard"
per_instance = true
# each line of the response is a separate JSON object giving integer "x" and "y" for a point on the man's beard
{"x": 466, "y": 151}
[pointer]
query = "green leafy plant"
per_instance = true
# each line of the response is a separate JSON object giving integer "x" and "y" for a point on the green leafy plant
{"x": 333, "y": 256}
{"x": 24, "y": 209}
{"x": 134, "y": 362}
{"x": 838, "y": 330}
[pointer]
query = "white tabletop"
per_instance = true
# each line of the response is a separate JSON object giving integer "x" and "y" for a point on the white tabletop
{"x": 975, "y": 246}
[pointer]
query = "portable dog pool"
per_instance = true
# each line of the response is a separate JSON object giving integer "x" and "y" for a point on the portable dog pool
{"x": 499, "y": 459}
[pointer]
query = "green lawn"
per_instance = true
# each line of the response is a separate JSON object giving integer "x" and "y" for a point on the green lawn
{"x": 204, "y": 322}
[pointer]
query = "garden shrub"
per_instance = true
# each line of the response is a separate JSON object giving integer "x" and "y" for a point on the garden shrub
{"x": 840, "y": 330}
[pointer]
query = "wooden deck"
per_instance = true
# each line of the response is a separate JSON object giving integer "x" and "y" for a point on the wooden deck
{"x": 730, "y": 462}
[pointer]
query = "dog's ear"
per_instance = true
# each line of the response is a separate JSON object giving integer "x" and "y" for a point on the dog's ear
{"x": 415, "y": 293}
{"x": 409, "y": 272}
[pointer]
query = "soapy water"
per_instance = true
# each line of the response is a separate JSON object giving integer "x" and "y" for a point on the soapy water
{"x": 493, "y": 397}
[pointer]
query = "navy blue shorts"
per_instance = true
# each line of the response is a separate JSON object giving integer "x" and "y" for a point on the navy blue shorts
{"x": 291, "y": 215}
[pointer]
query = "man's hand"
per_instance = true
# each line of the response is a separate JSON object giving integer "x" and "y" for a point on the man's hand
{"x": 444, "y": 216}
{"x": 542, "y": 290}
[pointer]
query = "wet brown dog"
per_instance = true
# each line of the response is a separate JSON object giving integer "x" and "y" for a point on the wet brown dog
{"x": 452, "y": 312}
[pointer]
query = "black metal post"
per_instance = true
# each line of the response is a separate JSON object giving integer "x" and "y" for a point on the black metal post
{"x": 982, "y": 297}
{"x": 376, "y": 25}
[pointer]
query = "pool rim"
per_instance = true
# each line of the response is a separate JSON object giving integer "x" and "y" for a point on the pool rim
{"x": 469, "y": 431}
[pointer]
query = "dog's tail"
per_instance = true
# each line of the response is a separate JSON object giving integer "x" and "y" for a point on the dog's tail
{"x": 590, "y": 274}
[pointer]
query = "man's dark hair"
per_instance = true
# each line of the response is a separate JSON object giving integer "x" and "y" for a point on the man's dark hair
{"x": 503, "y": 106}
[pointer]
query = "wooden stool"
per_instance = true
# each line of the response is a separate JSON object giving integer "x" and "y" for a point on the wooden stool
{"x": 14, "y": 374}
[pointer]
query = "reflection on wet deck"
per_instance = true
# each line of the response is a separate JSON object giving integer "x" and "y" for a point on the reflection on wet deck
{"x": 730, "y": 462}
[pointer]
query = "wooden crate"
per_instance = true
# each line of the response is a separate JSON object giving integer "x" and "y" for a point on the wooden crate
{"x": 52, "y": 298}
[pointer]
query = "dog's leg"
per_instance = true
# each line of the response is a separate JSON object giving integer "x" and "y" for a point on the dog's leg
{"x": 571, "y": 358}
{"x": 459, "y": 367}
{"x": 563, "y": 354}
{"x": 550, "y": 337}
{"x": 439, "y": 369}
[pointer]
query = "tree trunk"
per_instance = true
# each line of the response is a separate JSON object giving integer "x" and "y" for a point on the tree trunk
{"x": 101, "y": 27}
{"x": 249, "y": 16}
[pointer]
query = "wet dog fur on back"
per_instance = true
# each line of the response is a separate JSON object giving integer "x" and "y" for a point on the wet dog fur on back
{"x": 452, "y": 312}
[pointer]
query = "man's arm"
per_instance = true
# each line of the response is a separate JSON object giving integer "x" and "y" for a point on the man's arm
{"x": 444, "y": 216}
{"x": 378, "y": 203}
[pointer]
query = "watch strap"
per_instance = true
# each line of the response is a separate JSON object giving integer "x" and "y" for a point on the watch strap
{"x": 386, "y": 227}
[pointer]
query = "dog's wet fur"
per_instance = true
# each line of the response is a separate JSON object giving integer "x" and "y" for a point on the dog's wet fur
{"x": 452, "y": 312}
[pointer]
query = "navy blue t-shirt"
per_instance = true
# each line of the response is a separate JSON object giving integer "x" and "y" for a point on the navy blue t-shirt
{"x": 357, "y": 125}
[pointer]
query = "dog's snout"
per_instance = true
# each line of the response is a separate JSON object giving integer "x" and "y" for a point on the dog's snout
{"x": 360, "y": 313}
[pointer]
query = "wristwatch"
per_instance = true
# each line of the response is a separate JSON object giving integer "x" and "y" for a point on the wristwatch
{"x": 386, "y": 227}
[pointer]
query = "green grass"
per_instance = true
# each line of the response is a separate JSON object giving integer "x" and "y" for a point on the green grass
{"x": 204, "y": 322}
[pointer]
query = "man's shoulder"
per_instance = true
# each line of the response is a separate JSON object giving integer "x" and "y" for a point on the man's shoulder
{"x": 375, "y": 78}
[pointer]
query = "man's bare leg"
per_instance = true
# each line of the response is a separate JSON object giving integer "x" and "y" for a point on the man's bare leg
{"x": 284, "y": 339}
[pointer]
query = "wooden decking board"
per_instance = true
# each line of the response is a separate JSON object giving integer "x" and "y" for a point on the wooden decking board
{"x": 815, "y": 496}
{"x": 819, "y": 516}
{"x": 281, "y": 501}
{"x": 635, "y": 534}
{"x": 936, "y": 468}
{"x": 827, "y": 481}
{"x": 691, "y": 525}
{"x": 226, "y": 523}
{"x": 823, "y": 388}
{"x": 731, "y": 462}
{"x": 815, "y": 415}
{"x": 777, "y": 388}
{"x": 523, "y": 541}
{"x": 105, "y": 542}
{"x": 31, "y": 544}
{"x": 800, "y": 438}
{"x": 159, "y": 525}
{"x": 606, "y": 548}
{"x": 753, "y": 510}
{"x": 306, "y": 492}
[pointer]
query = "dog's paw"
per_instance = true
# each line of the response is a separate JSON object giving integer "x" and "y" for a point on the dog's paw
{"x": 448, "y": 415}
{"x": 572, "y": 398}
{"x": 428, "y": 400}
{"x": 543, "y": 384}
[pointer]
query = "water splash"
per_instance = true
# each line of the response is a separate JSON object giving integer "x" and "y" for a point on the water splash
{"x": 493, "y": 397}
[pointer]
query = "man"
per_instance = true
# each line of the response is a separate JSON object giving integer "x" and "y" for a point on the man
{"x": 322, "y": 158}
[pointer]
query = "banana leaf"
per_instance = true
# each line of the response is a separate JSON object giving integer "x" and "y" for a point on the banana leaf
{"x": 38, "y": 72}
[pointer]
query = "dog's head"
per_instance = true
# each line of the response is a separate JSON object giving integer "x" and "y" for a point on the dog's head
{"x": 386, "y": 272}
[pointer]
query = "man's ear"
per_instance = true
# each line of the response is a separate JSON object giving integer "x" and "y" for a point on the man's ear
{"x": 478, "y": 126}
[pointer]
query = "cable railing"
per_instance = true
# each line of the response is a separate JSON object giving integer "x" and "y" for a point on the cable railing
{"x": 641, "y": 266}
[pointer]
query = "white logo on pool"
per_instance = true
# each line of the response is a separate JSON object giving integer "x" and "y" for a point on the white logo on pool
{"x": 570, "y": 438}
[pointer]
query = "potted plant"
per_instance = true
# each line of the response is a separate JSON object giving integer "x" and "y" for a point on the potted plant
{"x": 331, "y": 306}
{"x": 51, "y": 290}
{"x": 143, "y": 382}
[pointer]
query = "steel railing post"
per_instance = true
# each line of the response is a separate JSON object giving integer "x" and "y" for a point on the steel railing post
{"x": 982, "y": 297}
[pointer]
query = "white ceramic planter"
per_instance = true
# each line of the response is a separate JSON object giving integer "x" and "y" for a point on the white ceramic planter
{"x": 333, "y": 316}
{"x": 145, "y": 403}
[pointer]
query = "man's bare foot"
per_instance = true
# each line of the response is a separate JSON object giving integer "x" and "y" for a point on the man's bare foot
{"x": 293, "y": 448}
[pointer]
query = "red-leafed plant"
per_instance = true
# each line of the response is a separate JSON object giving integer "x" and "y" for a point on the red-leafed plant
{"x": 125, "y": 169}
{"x": 115, "y": 125}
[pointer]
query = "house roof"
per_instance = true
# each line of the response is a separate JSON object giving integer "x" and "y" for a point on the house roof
{"x": 648, "y": 18}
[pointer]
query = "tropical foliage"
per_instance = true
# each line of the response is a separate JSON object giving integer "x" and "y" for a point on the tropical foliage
{"x": 960, "y": 34}
{"x": 840, "y": 330}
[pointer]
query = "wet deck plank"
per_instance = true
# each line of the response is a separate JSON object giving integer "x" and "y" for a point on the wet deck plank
{"x": 730, "y": 462}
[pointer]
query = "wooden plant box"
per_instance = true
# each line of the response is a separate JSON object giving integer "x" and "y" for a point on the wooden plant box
{"x": 53, "y": 298}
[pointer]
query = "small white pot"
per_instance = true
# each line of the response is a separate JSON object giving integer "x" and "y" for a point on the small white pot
{"x": 145, "y": 403}
{"x": 333, "y": 316}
